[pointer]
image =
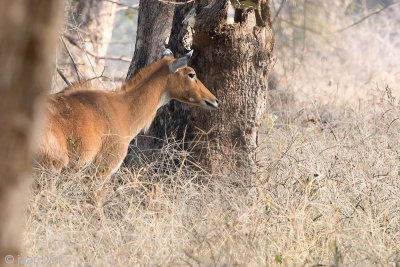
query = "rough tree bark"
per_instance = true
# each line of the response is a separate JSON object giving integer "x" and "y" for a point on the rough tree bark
{"x": 233, "y": 61}
{"x": 85, "y": 40}
{"x": 153, "y": 29}
{"x": 174, "y": 117}
{"x": 26, "y": 50}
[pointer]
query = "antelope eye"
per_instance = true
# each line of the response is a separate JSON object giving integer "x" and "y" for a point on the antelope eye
{"x": 192, "y": 75}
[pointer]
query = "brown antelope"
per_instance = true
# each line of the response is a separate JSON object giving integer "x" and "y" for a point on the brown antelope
{"x": 91, "y": 126}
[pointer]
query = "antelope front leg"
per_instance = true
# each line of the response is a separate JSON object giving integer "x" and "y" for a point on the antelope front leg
{"x": 107, "y": 166}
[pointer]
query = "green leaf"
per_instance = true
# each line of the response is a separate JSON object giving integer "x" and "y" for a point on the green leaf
{"x": 243, "y": 4}
{"x": 278, "y": 259}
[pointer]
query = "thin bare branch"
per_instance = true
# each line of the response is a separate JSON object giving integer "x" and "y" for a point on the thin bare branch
{"x": 278, "y": 11}
{"x": 82, "y": 42}
{"x": 63, "y": 77}
{"x": 71, "y": 57}
{"x": 117, "y": 58}
{"x": 176, "y": 3}
{"x": 72, "y": 27}
{"x": 135, "y": 7}
{"x": 120, "y": 58}
{"x": 367, "y": 16}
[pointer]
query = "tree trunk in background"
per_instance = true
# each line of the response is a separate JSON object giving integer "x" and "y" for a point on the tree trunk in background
{"x": 232, "y": 61}
{"x": 174, "y": 117}
{"x": 28, "y": 37}
{"x": 85, "y": 40}
{"x": 153, "y": 29}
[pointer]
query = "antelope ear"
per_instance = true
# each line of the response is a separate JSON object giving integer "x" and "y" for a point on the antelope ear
{"x": 167, "y": 53}
{"x": 180, "y": 62}
{"x": 189, "y": 54}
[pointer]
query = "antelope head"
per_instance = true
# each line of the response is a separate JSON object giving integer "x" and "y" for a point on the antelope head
{"x": 184, "y": 86}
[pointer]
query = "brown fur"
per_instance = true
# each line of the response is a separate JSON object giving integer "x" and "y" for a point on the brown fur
{"x": 91, "y": 126}
{"x": 85, "y": 85}
{"x": 90, "y": 85}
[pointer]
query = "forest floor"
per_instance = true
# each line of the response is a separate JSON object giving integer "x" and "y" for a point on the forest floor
{"x": 327, "y": 193}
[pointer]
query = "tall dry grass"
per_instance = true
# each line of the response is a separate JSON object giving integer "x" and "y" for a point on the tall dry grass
{"x": 327, "y": 194}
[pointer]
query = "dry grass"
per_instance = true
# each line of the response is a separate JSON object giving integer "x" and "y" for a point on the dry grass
{"x": 328, "y": 192}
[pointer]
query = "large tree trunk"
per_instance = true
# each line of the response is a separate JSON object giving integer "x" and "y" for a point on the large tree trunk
{"x": 83, "y": 45}
{"x": 28, "y": 35}
{"x": 153, "y": 29}
{"x": 233, "y": 61}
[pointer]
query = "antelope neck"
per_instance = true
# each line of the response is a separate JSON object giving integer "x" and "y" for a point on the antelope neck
{"x": 143, "y": 103}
